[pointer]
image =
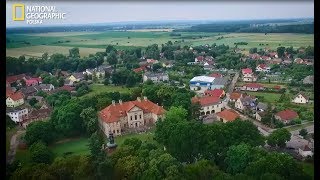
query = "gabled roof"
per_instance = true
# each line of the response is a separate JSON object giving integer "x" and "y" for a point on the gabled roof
{"x": 16, "y": 96}
{"x": 112, "y": 113}
{"x": 200, "y": 58}
{"x": 247, "y": 71}
{"x": 12, "y": 79}
{"x": 263, "y": 66}
{"x": 216, "y": 75}
{"x": 9, "y": 91}
{"x": 305, "y": 148}
{"x": 235, "y": 95}
{"x": 206, "y": 100}
{"x": 228, "y": 114}
{"x": 45, "y": 86}
{"x": 139, "y": 69}
{"x": 262, "y": 106}
{"x": 79, "y": 75}
{"x": 287, "y": 114}
{"x": 303, "y": 95}
{"x": 215, "y": 92}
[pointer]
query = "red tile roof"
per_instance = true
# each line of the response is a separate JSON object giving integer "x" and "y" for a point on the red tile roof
{"x": 247, "y": 71}
{"x": 262, "y": 66}
{"x": 139, "y": 69}
{"x": 206, "y": 100}
{"x": 228, "y": 114}
{"x": 200, "y": 58}
{"x": 216, "y": 92}
{"x": 216, "y": 75}
{"x": 112, "y": 113}
{"x": 9, "y": 91}
{"x": 12, "y": 79}
{"x": 16, "y": 96}
{"x": 277, "y": 87}
{"x": 287, "y": 114}
{"x": 254, "y": 85}
{"x": 235, "y": 95}
{"x": 67, "y": 88}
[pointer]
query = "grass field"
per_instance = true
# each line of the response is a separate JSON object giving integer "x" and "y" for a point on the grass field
{"x": 308, "y": 168}
{"x": 267, "y": 85}
{"x": 299, "y": 126}
{"x": 100, "y": 88}
{"x": 268, "y": 97}
{"x": 76, "y": 146}
{"x": 91, "y": 42}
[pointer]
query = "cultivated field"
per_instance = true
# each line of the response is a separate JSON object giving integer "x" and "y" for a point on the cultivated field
{"x": 92, "y": 42}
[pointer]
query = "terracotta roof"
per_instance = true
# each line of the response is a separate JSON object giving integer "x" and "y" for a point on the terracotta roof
{"x": 16, "y": 96}
{"x": 9, "y": 91}
{"x": 228, "y": 114}
{"x": 215, "y": 92}
{"x": 200, "y": 58}
{"x": 206, "y": 100}
{"x": 37, "y": 114}
{"x": 235, "y": 95}
{"x": 12, "y": 79}
{"x": 246, "y": 71}
{"x": 254, "y": 85}
{"x": 263, "y": 66}
{"x": 139, "y": 69}
{"x": 216, "y": 75}
{"x": 277, "y": 87}
{"x": 287, "y": 114}
{"x": 112, "y": 113}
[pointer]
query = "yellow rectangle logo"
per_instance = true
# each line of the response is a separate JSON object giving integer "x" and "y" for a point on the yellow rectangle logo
{"x": 14, "y": 12}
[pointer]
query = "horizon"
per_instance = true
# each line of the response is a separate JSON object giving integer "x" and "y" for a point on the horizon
{"x": 119, "y": 12}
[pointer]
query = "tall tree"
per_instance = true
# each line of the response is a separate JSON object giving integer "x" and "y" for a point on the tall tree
{"x": 279, "y": 137}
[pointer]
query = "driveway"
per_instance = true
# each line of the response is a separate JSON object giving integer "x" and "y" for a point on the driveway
{"x": 14, "y": 142}
{"x": 233, "y": 83}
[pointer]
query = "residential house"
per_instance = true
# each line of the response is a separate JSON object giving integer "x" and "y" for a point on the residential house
{"x": 30, "y": 90}
{"x": 17, "y": 114}
{"x": 76, "y": 77}
{"x": 300, "y": 99}
{"x": 298, "y": 61}
{"x": 265, "y": 58}
{"x": 234, "y": 96}
{"x": 252, "y": 87}
{"x": 140, "y": 69}
{"x": 209, "y": 104}
{"x": 246, "y": 102}
{"x": 46, "y": 87}
{"x": 8, "y": 84}
{"x": 167, "y": 64}
{"x": 216, "y": 75}
{"x": 287, "y": 61}
{"x": 308, "y": 80}
{"x": 152, "y": 61}
{"x": 36, "y": 115}
{"x": 254, "y": 56}
{"x": 261, "y": 110}
{"x": 219, "y": 83}
{"x": 260, "y": 115}
{"x": 248, "y": 75}
{"x": 117, "y": 118}
{"x": 263, "y": 68}
{"x": 199, "y": 59}
{"x": 201, "y": 83}
{"x": 273, "y": 55}
{"x": 155, "y": 77}
{"x": 33, "y": 81}
{"x": 305, "y": 151}
{"x": 227, "y": 115}
{"x": 275, "y": 61}
{"x": 16, "y": 78}
{"x": 207, "y": 66}
{"x": 9, "y": 91}
{"x": 286, "y": 116}
{"x": 15, "y": 99}
{"x": 216, "y": 93}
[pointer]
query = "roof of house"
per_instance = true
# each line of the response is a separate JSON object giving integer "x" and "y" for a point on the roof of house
{"x": 216, "y": 75}
{"x": 263, "y": 66}
{"x": 235, "y": 95}
{"x": 228, "y": 114}
{"x": 150, "y": 74}
{"x": 38, "y": 114}
{"x": 220, "y": 81}
{"x": 287, "y": 114}
{"x": 16, "y": 96}
{"x": 30, "y": 89}
{"x": 308, "y": 80}
{"x": 45, "y": 86}
{"x": 253, "y": 85}
{"x": 139, "y": 69}
{"x": 305, "y": 148}
{"x": 303, "y": 95}
{"x": 15, "y": 78}
{"x": 262, "y": 106}
{"x": 67, "y": 88}
{"x": 247, "y": 101}
{"x": 247, "y": 71}
{"x": 200, "y": 58}
{"x": 112, "y": 113}
{"x": 206, "y": 100}
{"x": 203, "y": 79}
{"x": 79, "y": 75}
{"x": 215, "y": 92}
{"x": 9, "y": 91}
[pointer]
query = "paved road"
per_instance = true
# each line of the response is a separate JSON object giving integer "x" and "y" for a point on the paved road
{"x": 233, "y": 83}
{"x": 13, "y": 146}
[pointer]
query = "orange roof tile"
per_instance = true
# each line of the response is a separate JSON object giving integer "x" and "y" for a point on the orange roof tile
{"x": 235, "y": 95}
{"x": 207, "y": 100}
{"x": 112, "y": 113}
{"x": 16, "y": 96}
{"x": 228, "y": 114}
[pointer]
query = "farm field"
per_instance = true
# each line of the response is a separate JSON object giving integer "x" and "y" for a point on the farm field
{"x": 92, "y": 42}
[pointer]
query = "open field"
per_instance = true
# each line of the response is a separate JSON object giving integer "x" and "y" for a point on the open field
{"x": 74, "y": 146}
{"x": 268, "y": 97}
{"x": 308, "y": 168}
{"x": 267, "y": 85}
{"x": 151, "y": 30}
{"x": 299, "y": 126}
{"x": 92, "y": 42}
{"x": 100, "y": 88}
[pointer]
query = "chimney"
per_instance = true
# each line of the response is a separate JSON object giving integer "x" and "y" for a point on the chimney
{"x": 139, "y": 99}
{"x": 113, "y": 103}
{"x": 145, "y": 98}
{"x": 120, "y": 101}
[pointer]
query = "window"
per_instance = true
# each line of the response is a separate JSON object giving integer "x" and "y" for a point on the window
{"x": 140, "y": 116}
{"x": 114, "y": 131}
{"x": 131, "y": 118}
{"x": 135, "y": 117}
{"x": 118, "y": 131}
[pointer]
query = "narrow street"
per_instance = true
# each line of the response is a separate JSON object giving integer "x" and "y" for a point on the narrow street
{"x": 14, "y": 142}
{"x": 233, "y": 82}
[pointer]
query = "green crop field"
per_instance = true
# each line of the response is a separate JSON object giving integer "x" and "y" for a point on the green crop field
{"x": 92, "y": 42}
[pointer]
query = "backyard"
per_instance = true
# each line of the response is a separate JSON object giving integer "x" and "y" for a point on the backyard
{"x": 100, "y": 88}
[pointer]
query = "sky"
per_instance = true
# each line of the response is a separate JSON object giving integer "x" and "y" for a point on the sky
{"x": 104, "y": 12}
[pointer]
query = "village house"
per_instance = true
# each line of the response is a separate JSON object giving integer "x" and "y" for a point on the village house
{"x": 33, "y": 81}
{"x": 227, "y": 115}
{"x": 216, "y": 75}
{"x": 273, "y": 55}
{"x": 30, "y": 90}
{"x": 46, "y": 87}
{"x": 155, "y": 77}
{"x": 298, "y": 61}
{"x": 265, "y": 58}
{"x": 286, "y": 116}
{"x": 254, "y": 56}
{"x": 275, "y": 61}
{"x": 263, "y": 68}
{"x": 219, "y": 83}
{"x": 198, "y": 59}
{"x": 201, "y": 83}
{"x": 17, "y": 114}
{"x": 64, "y": 88}
{"x": 209, "y": 104}
{"x": 300, "y": 99}
{"x": 305, "y": 151}
{"x": 261, "y": 110}
{"x": 76, "y": 77}
{"x": 244, "y": 103}
{"x": 234, "y": 96}
{"x": 208, "y": 66}
{"x": 216, "y": 93}
{"x": 167, "y": 64}
{"x": 15, "y": 99}
{"x": 308, "y": 80}
{"x": 248, "y": 75}
{"x": 36, "y": 115}
{"x": 117, "y": 118}
{"x": 252, "y": 87}
{"x": 16, "y": 78}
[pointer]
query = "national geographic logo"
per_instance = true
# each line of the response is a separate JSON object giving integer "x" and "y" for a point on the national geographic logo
{"x": 35, "y": 14}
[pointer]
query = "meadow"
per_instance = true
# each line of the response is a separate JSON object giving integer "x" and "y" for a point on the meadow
{"x": 91, "y": 42}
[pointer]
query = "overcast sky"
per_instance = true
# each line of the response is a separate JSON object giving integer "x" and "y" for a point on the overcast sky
{"x": 101, "y": 12}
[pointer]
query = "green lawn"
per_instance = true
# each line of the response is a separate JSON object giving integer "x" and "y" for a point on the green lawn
{"x": 299, "y": 126}
{"x": 308, "y": 168}
{"x": 100, "y": 88}
{"x": 268, "y": 97}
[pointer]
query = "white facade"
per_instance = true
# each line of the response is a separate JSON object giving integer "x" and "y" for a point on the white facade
{"x": 213, "y": 108}
{"x": 17, "y": 115}
{"x": 249, "y": 78}
{"x": 238, "y": 104}
{"x": 156, "y": 77}
{"x": 300, "y": 99}
{"x": 305, "y": 153}
{"x": 11, "y": 103}
{"x": 266, "y": 69}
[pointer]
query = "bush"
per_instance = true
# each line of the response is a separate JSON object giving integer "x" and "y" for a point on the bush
{"x": 40, "y": 153}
